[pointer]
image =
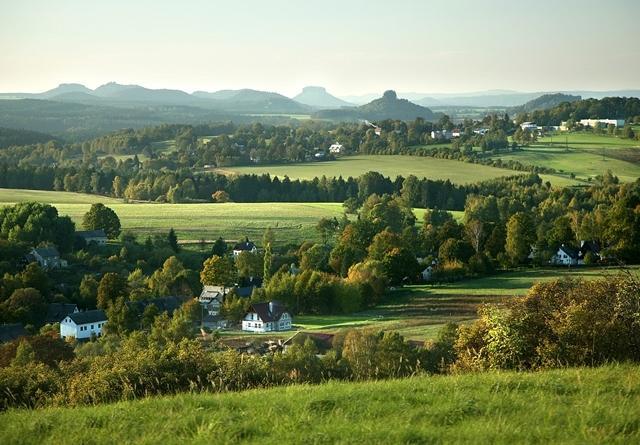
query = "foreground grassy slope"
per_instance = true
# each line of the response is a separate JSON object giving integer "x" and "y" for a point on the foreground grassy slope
{"x": 432, "y": 168}
{"x": 577, "y": 406}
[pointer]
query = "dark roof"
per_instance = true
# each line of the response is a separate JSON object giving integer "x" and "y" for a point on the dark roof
{"x": 9, "y": 332}
{"x": 164, "y": 304}
{"x": 47, "y": 252}
{"x": 88, "y": 316}
{"x": 571, "y": 252}
{"x": 91, "y": 233}
{"x": 58, "y": 311}
{"x": 269, "y": 311}
{"x": 588, "y": 246}
{"x": 245, "y": 245}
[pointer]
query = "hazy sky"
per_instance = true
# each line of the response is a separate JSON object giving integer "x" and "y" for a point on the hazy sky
{"x": 350, "y": 47}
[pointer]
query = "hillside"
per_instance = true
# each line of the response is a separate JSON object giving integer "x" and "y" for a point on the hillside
{"x": 545, "y": 102}
{"x": 251, "y": 101}
{"x": 318, "y": 97}
{"x": 386, "y": 107}
{"x": 562, "y": 406}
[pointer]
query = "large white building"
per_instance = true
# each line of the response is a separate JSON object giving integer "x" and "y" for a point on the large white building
{"x": 604, "y": 122}
{"x": 82, "y": 325}
{"x": 267, "y": 317}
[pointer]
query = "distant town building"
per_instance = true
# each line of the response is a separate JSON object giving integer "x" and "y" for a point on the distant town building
{"x": 442, "y": 134}
{"x": 82, "y": 325}
{"x": 604, "y": 122}
{"x": 336, "y": 149}
{"x": 267, "y": 317}
{"x": 531, "y": 126}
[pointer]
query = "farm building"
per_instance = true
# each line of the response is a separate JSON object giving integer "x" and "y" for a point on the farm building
{"x": 46, "y": 257}
{"x": 82, "y": 325}
{"x": 441, "y": 134}
{"x": 267, "y": 317}
{"x": 337, "y": 149}
{"x": 93, "y": 236}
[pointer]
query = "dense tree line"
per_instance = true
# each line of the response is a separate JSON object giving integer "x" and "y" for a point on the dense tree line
{"x": 607, "y": 108}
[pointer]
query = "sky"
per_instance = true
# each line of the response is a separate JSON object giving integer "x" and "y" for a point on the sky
{"x": 349, "y": 47}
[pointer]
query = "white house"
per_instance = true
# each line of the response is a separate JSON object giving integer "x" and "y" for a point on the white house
{"x": 58, "y": 311}
{"x": 82, "y": 325}
{"x": 267, "y": 317}
{"x": 47, "y": 257}
{"x": 565, "y": 256}
{"x": 604, "y": 122}
{"x": 245, "y": 246}
{"x": 336, "y": 148}
{"x": 93, "y": 236}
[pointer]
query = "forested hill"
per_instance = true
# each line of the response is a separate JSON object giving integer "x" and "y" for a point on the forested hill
{"x": 545, "y": 102}
{"x": 607, "y": 108}
{"x": 11, "y": 136}
{"x": 386, "y": 107}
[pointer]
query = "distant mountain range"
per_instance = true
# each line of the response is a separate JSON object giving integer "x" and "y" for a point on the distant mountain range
{"x": 117, "y": 95}
{"x": 490, "y": 98}
{"x": 386, "y": 107}
{"x": 318, "y": 97}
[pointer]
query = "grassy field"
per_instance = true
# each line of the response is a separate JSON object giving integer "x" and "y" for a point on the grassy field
{"x": 291, "y": 222}
{"x": 418, "y": 312}
{"x": 582, "y": 154}
{"x": 570, "y": 406}
{"x": 432, "y": 168}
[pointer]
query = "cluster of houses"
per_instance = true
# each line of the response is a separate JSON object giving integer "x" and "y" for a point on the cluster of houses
{"x": 261, "y": 317}
{"x": 447, "y": 135}
{"x": 83, "y": 325}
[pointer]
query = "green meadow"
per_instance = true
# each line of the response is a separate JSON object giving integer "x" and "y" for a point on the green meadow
{"x": 419, "y": 311}
{"x": 391, "y": 165}
{"x": 291, "y": 222}
{"x": 568, "y": 406}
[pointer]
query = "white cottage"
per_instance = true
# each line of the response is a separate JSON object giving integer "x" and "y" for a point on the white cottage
{"x": 47, "y": 257}
{"x": 245, "y": 246}
{"x": 267, "y": 317}
{"x": 565, "y": 256}
{"x": 82, "y": 325}
{"x": 336, "y": 149}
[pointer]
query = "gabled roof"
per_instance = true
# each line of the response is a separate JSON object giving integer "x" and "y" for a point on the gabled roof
{"x": 9, "y": 332}
{"x": 269, "y": 311}
{"x": 571, "y": 253}
{"x": 245, "y": 245}
{"x": 58, "y": 311}
{"x": 94, "y": 316}
{"x": 47, "y": 252}
{"x": 91, "y": 233}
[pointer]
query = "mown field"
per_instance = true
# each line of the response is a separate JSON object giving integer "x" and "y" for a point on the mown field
{"x": 291, "y": 222}
{"x": 582, "y": 155}
{"x": 569, "y": 406}
{"x": 432, "y": 168}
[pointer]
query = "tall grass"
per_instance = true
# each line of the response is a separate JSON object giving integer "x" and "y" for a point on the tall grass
{"x": 579, "y": 406}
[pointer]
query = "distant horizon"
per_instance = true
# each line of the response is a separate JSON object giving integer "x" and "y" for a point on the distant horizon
{"x": 329, "y": 90}
{"x": 352, "y": 47}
